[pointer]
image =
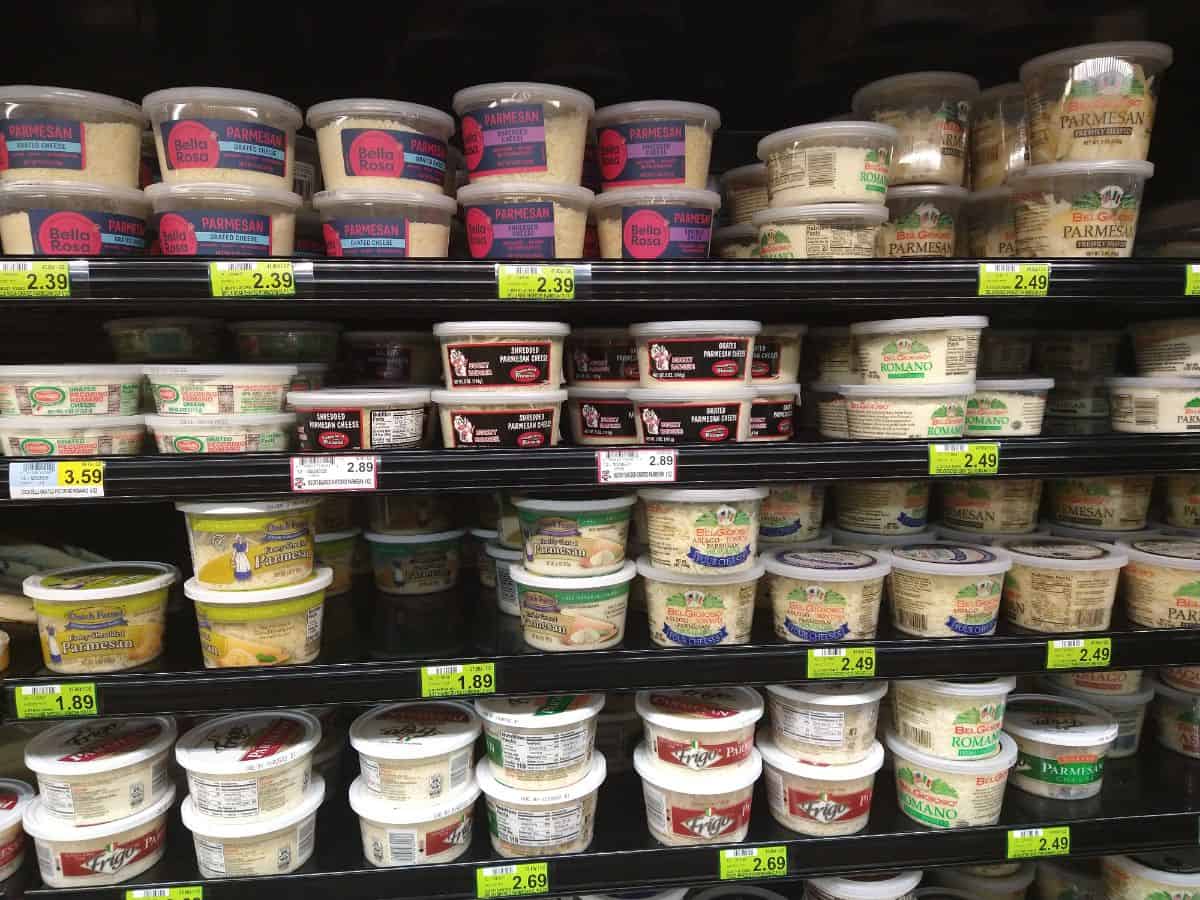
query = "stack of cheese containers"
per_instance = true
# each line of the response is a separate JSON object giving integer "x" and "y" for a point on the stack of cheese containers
{"x": 1165, "y": 395}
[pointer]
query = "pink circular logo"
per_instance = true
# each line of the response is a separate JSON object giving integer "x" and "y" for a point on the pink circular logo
{"x": 333, "y": 243}
{"x": 480, "y": 235}
{"x": 176, "y": 236}
{"x": 192, "y": 145}
{"x": 376, "y": 153}
{"x": 614, "y": 153}
{"x": 646, "y": 234}
{"x": 472, "y": 137}
{"x": 69, "y": 234}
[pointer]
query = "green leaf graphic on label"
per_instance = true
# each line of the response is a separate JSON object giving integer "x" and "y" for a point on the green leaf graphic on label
{"x": 942, "y": 788}
{"x": 696, "y": 600}
{"x": 1193, "y": 403}
{"x": 905, "y": 345}
{"x": 1191, "y": 589}
{"x": 1097, "y": 489}
{"x": 742, "y": 518}
{"x": 977, "y": 491}
{"x": 905, "y": 775}
{"x": 707, "y": 519}
{"x": 967, "y": 717}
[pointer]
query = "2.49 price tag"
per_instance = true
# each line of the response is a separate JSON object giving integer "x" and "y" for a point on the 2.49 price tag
{"x": 56, "y": 701}
{"x": 753, "y": 862}
{"x": 1030, "y": 843}
{"x": 35, "y": 278}
{"x": 841, "y": 662}
{"x": 519, "y": 880}
{"x": 458, "y": 681}
{"x": 636, "y": 466}
{"x": 253, "y": 278}
{"x": 318, "y": 474}
{"x": 964, "y": 459}
{"x": 1079, "y": 653}
{"x": 1014, "y": 279}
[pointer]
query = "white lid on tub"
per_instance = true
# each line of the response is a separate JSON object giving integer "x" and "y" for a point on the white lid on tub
{"x": 486, "y": 777}
{"x": 501, "y": 329}
{"x": 159, "y": 103}
{"x": 484, "y": 534}
{"x": 869, "y": 887}
{"x": 1140, "y": 51}
{"x": 701, "y": 709}
{"x": 248, "y": 508}
{"x": 995, "y": 885}
{"x": 243, "y": 743}
{"x": 1128, "y": 167}
{"x": 1154, "y": 381}
{"x": 964, "y": 389}
{"x": 919, "y": 191}
{"x": 777, "y": 759}
{"x": 1017, "y": 384}
{"x": 100, "y": 581}
{"x": 1106, "y": 701}
{"x": 845, "y": 538}
{"x": 1098, "y": 535}
{"x": 623, "y": 575}
{"x": 688, "y": 327}
{"x": 211, "y": 370}
{"x": 26, "y": 194}
{"x": 604, "y": 504}
{"x": 375, "y": 808}
{"x": 1172, "y": 552}
{"x": 752, "y": 174}
{"x": 952, "y": 83}
{"x": 594, "y": 392}
{"x": 1061, "y": 721}
{"x": 218, "y": 191}
{"x": 339, "y": 398}
{"x": 767, "y": 389}
{"x": 1005, "y": 759}
{"x": 926, "y": 323}
{"x": 490, "y": 95}
{"x": 104, "y": 103}
{"x": 39, "y": 824}
{"x": 967, "y": 686}
{"x": 656, "y": 109}
{"x": 658, "y": 193}
{"x": 486, "y": 192}
{"x": 238, "y": 422}
{"x": 956, "y": 535}
{"x": 686, "y": 781}
{"x": 131, "y": 373}
{"x": 988, "y": 195}
{"x": 827, "y": 564}
{"x": 1134, "y": 869}
{"x": 320, "y": 579}
{"x": 856, "y": 134}
{"x": 472, "y": 399}
{"x": 674, "y": 576}
{"x": 1065, "y": 553}
{"x": 356, "y": 196}
{"x": 538, "y": 712}
{"x": 442, "y": 124}
{"x": 703, "y": 495}
{"x": 14, "y": 797}
{"x": 839, "y": 213}
{"x": 944, "y": 558}
{"x": 1174, "y": 694}
{"x": 693, "y": 394}
{"x": 504, "y": 554}
{"x": 329, "y": 536}
{"x": 377, "y": 537}
{"x": 832, "y": 694}
{"x": 417, "y": 730}
{"x": 101, "y": 745}
{"x": 235, "y": 829}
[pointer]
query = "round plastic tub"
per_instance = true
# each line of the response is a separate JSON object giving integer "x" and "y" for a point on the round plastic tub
{"x": 1168, "y": 347}
{"x": 1128, "y": 879}
{"x": 688, "y": 808}
{"x": 698, "y": 729}
{"x": 335, "y": 550}
{"x": 250, "y": 546}
{"x": 102, "y": 770}
{"x": 219, "y": 135}
{"x": 1078, "y": 209}
{"x": 692, "y": 414}
{"x": 826, "y": 594}
{"x": 822, "y": 800}
{"x": 1105, "y": 502}
{"x": 744, "y": 190}
{"x": 72, "y": 435}
{"x": 988, "y": 887}
{"x": 525, "y": 220}
{"x": 15, "y": 797}
{"x": 819, "y": 231}
{"x": 1082, "y": 398}
{"x": 830, "y": 162}
{"x": 1091, "y": 684}
{"x": 81, "y": 390}
{"x": 601, "y": 416}
{"x": 414, "y": 835}
{"x": 409, "y": 514}
{"x": 656, "y": 222}
{"x": 922, "y": 222}
{"x": 416, "y": 753}
{"x": 703, "y": 531}
{"x": 686, "y": 609}
{"x": 1129, "y": 711}
{"x": 601, "y": 357}
{"x": 126, "y": 601}
{"x": 546, "y": 821}
{"x": 376, "y": 223}
{"x": 286, "y": 341}
{"x": 935, "y": 350}
{"x": 384, "y": 145}
{"x": 864, "y": 887}
{"x": 930, "y": 110}
{"x": 360, "y": 418}
{"x": 735, "y": 242}
{"x": 540, "y": 743}
{"x": 825, "y": 724}
{"x": 1183, "y": 501}
{"x": 265, "y": 432}
{"x": 1094, "y": 102}
{"x": 1176, "y": 714}
{"x": 1163, "y": 404}
{"x": 883, "y": 507}
{"x": 391, "y": 357}
{"x": 261, "y": 627}
{"x": 1061, "y": 585}
{"x": 416, "y": 563}
{"x": 900, "y": 411}
{"x": 573, "y": 613}
{"x": 94, "y": 855}
{"x": 574, "y": 538}
{"x": 999, "y": 135}
{"x": 945, "y": 533}
{"x": 71, "y": 219}
{"x": 60, "y": 134}
{"x": 219, "y": 390}
{"x": 830, "y": 407}
{"x": 694, "y": 354}
{"x": 992, "y": 227}
{"x": 773, "y": 412}
{"x": 947, "y": 590}
{"x": 524, "y": 131}
{"x": 501, "y": 560}
{"x": 1061, "y": 745}
{"x": 958, "y": 719}
{"x": 1077, "y": 354}
{"x": 249, "y": 767}
{"x": 501, "y": 356}
{"x": 951, "y": 793}
{"x": 164, "y": 339}
{"x": 219, "y": 219}
{"x": 791, "y": 513}
{"x": 1005, "y": 407}
{"x": 654, "y": 142}
{"x": 1069, "y": 878}
{"x": 271, "y": 846}
{"x": 1161, "y": 582}
{"x": 831, "y": 347}
{"x": 777, "y": 352}
{"x": 1006, "y": 506}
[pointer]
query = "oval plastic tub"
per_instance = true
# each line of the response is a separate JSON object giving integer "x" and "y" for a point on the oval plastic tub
{"x": 931, "y": 111}
{"x": 992, "y": 228}
{"x": 1094, "y": 535}
{"x": 376, "y": 224}
{"x": 1161, "y": 581}
{"x": 692, "y": 414}
{"x": 1078, "y": 209}
{"x": 791, "y": 513}
{"x": 219, "y": 135}
{"x": 164, "y": 339}
{"x": 829, "y": 162}
{"x": 934, "y": 350}
{"x": 1094, "y": 102}
{"x": 1163, "y": 404}
{"x": 271, "y": 846}
{"x": 218, "y": 219}
{"x": 102, "y": 770}
{"x": 1008, "y": 407}
{"x": 540, "y": 743}
{"x": 261, "y": 433}
{"x": 866, "y": 887}
{"x": 777, "y": 352}
{"x": 524, "y": 131}
{"x": 698, "y": 729}
{"x": 922, "y": 222}
{"x": 72, "y": 435}
{"x": 735, "y": 242}
{"x": 250, "y": 546}
{"x": 63, "y": 134}
{"x": 601, "y": 416}
{"x": 1129, "y": 711}
{"x": 656, "y": 222}
{"x": 601, "y": 357}
{"x": 574, "y": 538}
{"x": 951, "y": 793}
{"x": 773, "y": 412}
{"x": 1080, "y": 878}
{"x": 1000, "y": 507}
{"x": 1112, "y": 503}
{"x": 286, "y": 341}
{"x": 219, "y": 390}
{"x": 688, "y": 808}
{"x": 883, "y": 507}
{"x": 702, "y": 531}
{"x": 501, "y": 560}
{"x": 1167, "y": 347}
{"x": 653, "y": 142}
{"x": 999, "y": 135}
{"x": 900, "y": 411}
{"x": 1099, "y": 683}
{"x": 687, "y": 609}
{"x": 821, "y": 800}
{"x": 568, "y": 612}
{"x": 525, "y": 220}
{"x": 825, "y": 724}
{"x": 72, "y": 219}
{"x": 416, "y": 563}
{"x": 1060, "y": 584}
{"x": 416, "y": 753}
{"x": 15, "y": 797}
{"x": 1183, "y": 501}
{"x": 1075, "y": 400}
{"x": 125, "y": 601}
{"x": 1061, "y": 745}
{"x": 819, "y": 231}
{"x": 947, "y": 590}
{"x": 81, "y": 390}
{"x": 988, "y": 887}
{"x": 261, "y": 627}
{"x": 830, "y": 410}
{"x": 1127, "y": 878}
{"x": 384, "y": 145}
{"x": 744, "y": 192}
{"x": 957, "y": 719}
{"x": 501, "y": 356}
{"x": 1077, "y": 354}
{"x": 1176, "y": 715}
{"x": 391, "y": 357}
{"x": 335, "y": 551}
{"x": 831, "y": 347}
{"x": 414, "y": 834}
{"x": 360, "y": 418}
{"x": 826, "y": 594}
{"x": 695, "y": 354}
{"x": 94, "y": 855}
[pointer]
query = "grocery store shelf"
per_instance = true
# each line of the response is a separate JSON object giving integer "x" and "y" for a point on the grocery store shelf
{"x": 1148, "y": 803}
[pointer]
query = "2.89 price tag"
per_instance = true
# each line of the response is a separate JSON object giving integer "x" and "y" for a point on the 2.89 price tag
{"x": 519, "y": 880}
{"x": 318, "y": 474}
{"x": 458, "y": 681}
{"x": 253, "y": 278}
{"x": 56, "y": 701}
{"x": 964, "y": 459}
{"x": 35, "y": 278}
{"x": 537, "y": 282}
{"x": 1030, "y": 843}
{"x": 1080, "y": 653}
{"x": 841, "y": 662}
{"x": 1014, "y": 279}
{"x": 636, "y": 466}
{"x": 753, "y": 862}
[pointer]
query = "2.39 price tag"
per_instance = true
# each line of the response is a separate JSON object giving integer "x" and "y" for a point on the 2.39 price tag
{"x": 519, "y": 880}
{"x": 1079, "y": 653}
{"x": 841, "y": 662}
{"x": 252, "y": 278}
{"x": 964, "y": 459}
{"x": 56, "y": 701}
{"x": 514, "y": 282}
{"x": 1030, "y": 843}
{"x": 35, "y": 278}
{"x": 458, "y": 681}
{"x": 753, "y": 862}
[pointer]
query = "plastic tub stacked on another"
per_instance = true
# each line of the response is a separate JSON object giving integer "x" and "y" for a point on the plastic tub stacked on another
{"x": 923, "y": 222}
{"x": 200, "y": 218}
{"x": 390, "y": 358}
{"x": 1112, "y": 503}
{"x": 1061, "y": 745}
{"x": 360, "y": 418}
{"x": 947, "y": 590}
{"x": 1006, "y": 407}
{"x": 893, "y": 508}
{"x": 1084, "y": 579}
{"x": 656, "y": 222}
{"x": 654, "y": 142}
{"x": 991, "y": 224}
{"x": 999, "y": 136}
{"x": 72, "y": 219}
{"x": 1129, "y": 711}
{"x": 825, "y": 594}
{"x": 1007, "y": 507}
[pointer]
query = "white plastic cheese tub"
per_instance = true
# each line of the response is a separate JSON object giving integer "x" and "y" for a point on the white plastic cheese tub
{"x": 62, "y": 219}
{"x": 689, "y": 808}
{"x": 923, "y": 222}
{"x": 773, "y": 412}
{"x": 699, "y": 729}
{"x": 819, "y": 231}
{"x": 1129, "y": 711}
{"x": 540, "y": 743}
{"x": 692, "y": 414}
{"x": 654, "y": 142}
{"x": 822, "y": 800}
{"x": 830, "y": 407}
{"x": 1006, "y": 407}
{"x": 791, "y": 513}
{"x": 883, "y": 507}
{"x": 1128, "y": 879}
{"x": 958, "y": 719}
{"x": 206, "y": 218}
{"x": 1090, "y": 683}
{"x": 414, "y": 834}
{"x": 575, "y": 538}
{"x": 1167, "y": 347}
{"x": 1185, "y": 678}
{"x": 375, "y": 223}
{"x": 904, "y": 411}
{"x": 416, "y": 563}
{"x": 501, "y": 356}
{"x": 84, "y": 390}
{"x": 951, "y": 793}
{"x": 15, "y": 797}
{"x": 690, "y": 609}
{"x": 745, "y": 192}
{"x": 100, "y": 771}
{"x": 219, "y": 390}
{"x": 933, "y": 350}
{"x": 1161, "y": 583}
{"x": 416, "y": 753}
{"x": 826, "y": 594}
{"x": 991, "y": 506}
{"x": 544, "y": 821}
{"x": 829, "y": 162}
{"x": 1061, "y": 584}
{"x": 1105, "y": 502}
{"x": 735, "y": 242}
{"x": 515, "y": 220}
{"x": 947, "y": 590}
{"x": 567, "y": 613}
{"x": 257, "y": 433}
{"x": 988, "y": 887}
{"x": 499, "y": 419}
{"x": 250, "y": 546}
{"x": 1061, "y": 745}
{"x": 999, "y": 135}
{"x": 72, "y": 435}
{"x": 777, "y": 352}
{"x": 392, "y": 418}
{"x": 601, "y": 416}
{"x": 702, "y": 530}
{"x": 693, "y": 354}
{"x": 656, "y": 222}
{"x": 1164, "y": 404}
{"x": 825, "y": 724}
{"x": 1177, "y": 719}
{"x": 1079, "y": 399}
{"x": 501, "y": 559}
{"x": 247, "y": 767}
{"x": 864, "y": 887}
{"x": 274, "y": 845}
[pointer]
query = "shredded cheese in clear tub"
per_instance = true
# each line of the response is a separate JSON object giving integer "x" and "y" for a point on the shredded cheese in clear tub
{"x": 923, "y": 222}
{"x": 1113, "y": 503}
{"x": 829, "y": 162}
{"x": 72, "y": 435}
{"x": 819, "y": 231}
{"x": 82, "y": 390}
{"x": 573, "y": 613}
{"x": 1061, "y": 585}
{"x": 825, "y": 594}
{"x": 883, "y": 507}
{"x": 540, "y": 743}
{"x": 698, "y": 729}
{"x": 219, "y": 390}
{"x": 687, "y": 808}
{"x": 713, "y": 531}
{"x": 71, "y": 219}
{"x": 956, "y": 719}
{"x": 947, "y": 590}
{"x": 203, "y": 218}
{"x": 574, "y": 538}
{"x": 997, "y": 507}
{"x": 825, "y": 724}
{"x": 250, "y": 546}
{"x": 1161, "y": 583}
{"x": 654, "y": 142}
{"x": 414, "y": 835}
{"x": 992, "y": 229}
{"x": 823, "y": 800}
{"x": 999, "y": 135}
{"x": 656, "y": 222}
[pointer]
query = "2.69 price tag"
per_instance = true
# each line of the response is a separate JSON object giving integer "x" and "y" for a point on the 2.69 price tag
{"x": 1030, "y": 843}
{"x": 1079, "y": 653}
{"x": 253, "y": 278}
{"x": 35, "y": 278}
{"x": 56, "y": 701}
{"x": 1014, "y": 279}
{"x": 458, "y": 681}
{"x": 841, "y": 662}
{"x": 515, "y": 282}
{"x": 753, "y": 862}
{"x": 964, "y": 459}
{"x": 519, "y": 880}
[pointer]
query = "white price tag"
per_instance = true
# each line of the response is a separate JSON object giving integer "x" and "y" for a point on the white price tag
{"x": 318, "y": 474}
{"x": 636, "y": 466}
{"x": 45, "y": 480}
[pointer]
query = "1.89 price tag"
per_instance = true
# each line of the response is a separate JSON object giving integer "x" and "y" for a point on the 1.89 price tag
{"x": 519, "y": 880}
{"x": 964, "y": 459}
{"x": 458, "y": 681}
{"x": 1079, "y": 653}
{"x": 841, "y": 662}
{"x": 56, "y": 701}
{"x": 253, "y": 278}
{"x": 753, "y": 862}
{"x": 1030, "y": 843}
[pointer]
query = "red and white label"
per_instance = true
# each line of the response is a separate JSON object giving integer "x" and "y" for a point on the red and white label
{"x": 114, "y": 857}
{"x": 827, "y": 807}
{"x": 712, "y": 822}
{"x": 700, "y": 756}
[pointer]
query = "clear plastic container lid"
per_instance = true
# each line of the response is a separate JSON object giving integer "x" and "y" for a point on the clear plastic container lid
{"x": 1132, "y": 168}
{"x": 844, "y": 133}
{"x": 163, "y": 104}
{"x": 683, "y": 781}
{"x": 552, "y": 506}
{"x": 995, "y": 885}
{"x": 492, "y": 93}
{"x": 249, "y": 508}
{"x": 496, "y": 398}
{"x": 692, "y": 394}
{"x": 1017, "y": 384}
{"x": 1155, "y": 381}
{"x": 249, "y": 742}
{"x": 240, "y": 423}
{"x": 14, "y": 797}
{"x": 674, "y": 576}
{"x": 236, "y": 829}
{"x": 1066, "y": 554}
{"x": 764, "y": 389}
{"x": 41, "y": 825}
{"x": 831, "y": 213}
{"x": 827, "y": 564}
{"x": 217, "y": 371}
{"x": 732, "y": 233}
{"x": 981, "y": 686}
{"x": 422, "y": 118}
{"x": 928, "y": 323}
{"x": 590, "y": 392}
{"x": 356, "y": 198}
{"x": 901, "y": 391}
{"x": 380, "y": 538}
{"x": 1009, "y": 90}
{"x": 101, "y": 372}
{"x": 943, "y": 558}
{"x": 1058, "y": 720}
{"x": 320, "y": 579}
{"x": 1172, "y": 552}
{"x": 753, "y": 175}
{"x": 418, "y": 730}
{"x": 503, "y": 554}
{"x": 704, "y": 710}
{"x": 168, "y": 196}
{"x": 869, "y": 887}
{"x": 536, "y": 796}
{"x": 93, "y": 747}
{"x": 703, "y": 495}
{"x": 161, "y": 322}
{"x": 339, "y": 398}
{"x": 841, "y": 694}
{"x": 376, "y": 808}
{"x": 22, "y": 195}
{"x": 275, "y": 325}
{"x": 1096, "y": 535}
{"x": 1002, "y": 761}
{"x": 41, "y": 94}
{"x": 657, "y": 193}
{"x": 641, "y": 110}
{"x": 88, "y": 582}
{"x": 777, "y": 759}
{"x": 925, "y": 191}
{"x": 332, "y": 536}
{"x": 687, "y": 328}
{"x": 501, "y": 329}
{"x": 539, "y": 712}
{"x": 1147, "y": 53}
{"x": 988, "y": 195}
{"x": 623, "y": 575}
{"x": 898, "y": 88}
{"x": 62, "y": 424}
{"x": 1109, "y": 701}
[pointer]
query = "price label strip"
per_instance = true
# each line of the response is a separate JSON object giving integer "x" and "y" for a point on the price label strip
{"x": 1081, "y": 653}
{"x": 636, "y": 466}
{"x": 253, "y": 278}
{"x": 188, "y": 892}
{"x": 56, "y": 701}
{"x": 63, "y": 480}
{"x": 35, "y": 278}
{"x": 458, "y": 681}
{"x": 841, "y": 662}
{"x": 1030, "y": 843}
{"x": 1014, "y": 279}
{"x": 1191, "y": 284}
{"x": 753, "y": 862}
{"x": 321, "y": 474}
{"x": 964, "y": 459}
{"x": 541, "y": 282}
{"x": 519, "y": 880}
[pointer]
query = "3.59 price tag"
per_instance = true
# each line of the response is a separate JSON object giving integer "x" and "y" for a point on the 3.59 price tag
{"x": 753, "y": 862}
{"x": 537, "y": 282}
{"x": 56, "y": 701}
{"x": 636, "y": 466}
{"x": 319, "y": 474}
{"x": 253, "y": 278}
{"x": 458, "y": 681}
{"x": 519, "y": 880}
{"x": 964, "y": 459}
{"x": 1030, "y": 843}
{"x": 1014, "y": 279}
{"x": 841, "y": 662}
{"x": 58, "y": 480}
{"x": 1080, "y": 653}
{"x": 35, "y": 278}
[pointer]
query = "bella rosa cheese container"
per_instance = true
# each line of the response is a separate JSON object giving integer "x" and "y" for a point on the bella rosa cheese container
{"x": 540, "y": 743}
{"x": 567, "y": 613}
{"x": 15, "y": 797}
{"x": 947, "y": 590}
{"x": 821, "y": 800}
{"x": 825, "y": 594}
{"x": 698, "y": 729}
{"x": 655, "y": 222}
{"x": 951, "y": 793}
{"x": 688, "y": 808}
{"x": 399, "y": 834}
{"x": 956, "y": 718}
{"x": 250, "y": 546}
{"x": 655, "y": 142}
{"x": 223, "y": 219}
{"x": 1061, "y": 745}
{"x": 934, "y": 350}
{"x": 825, "y": 724}
{"x": 525, "y": 220}
{"x": 57, "y": 219}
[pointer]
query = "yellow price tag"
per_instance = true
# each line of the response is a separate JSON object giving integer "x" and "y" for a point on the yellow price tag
{"x": 458, "y": 681}
{"x": 82, "y": 473}
{"x": 1030, "y": 843}
{"x": 1191, "y": 284}
{"x": 253, "y": 278}
{"x": 518, "y": 880}
{"x": 753, "y": 862}
{"x": 1080, "y": 653}
{"x": 188, "y": 892}
{"x": 35, "y": 278}
{"x": 841, "y": 662}
{"x": 964, "y": 459}
{"x": 56, "y": 701}
{"x": 1014, "y": 279}
{"x": 535, "y": 282}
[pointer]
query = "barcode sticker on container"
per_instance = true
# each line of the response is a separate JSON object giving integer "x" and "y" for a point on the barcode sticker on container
{"x": 517, "y": 880}
{"x": 1080, "y": 653}
{"x": 320, "y": 474}
{"x": 540, "y": 282}
{"x": 1030, "y": 843}
{"x": 457, "y": 681}
{"x": 188, "y": 892}
{"x": 35, "y": 278}
{"x": 56, "y": 701}
{"x": 753, "y": 862}
{"x": 1014, "y": 279}
{"x": 60, "y": 480}
{"x": 253, "y": 278}
{"x": 841, "y": 662}
{"x": 636, "y": 466}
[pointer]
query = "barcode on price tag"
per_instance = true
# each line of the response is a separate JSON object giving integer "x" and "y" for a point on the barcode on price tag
{"x": 35, "y": 278}
{"x": 636, "y": 466}
{"x": 1014, "y": 279}
{"x": 188, "y": 892}
{"x": 65, "y": 480}
{"x": 320, "y": 474}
